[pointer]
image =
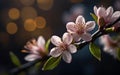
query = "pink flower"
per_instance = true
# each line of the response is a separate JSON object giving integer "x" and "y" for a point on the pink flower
{"x": 35, "y": 48}
{"x": 63, "y": 47}
{"x": 110, "y": 46}
{"x": 80, "y": 29}
{"x": 106, "y": 14}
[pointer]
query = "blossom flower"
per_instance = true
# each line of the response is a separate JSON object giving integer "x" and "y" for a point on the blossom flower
{"x": 108, "y": 15}
{"x": 63, "y": 47}
{"x": 35, "y": 48}
{"x": 110, "y": 46}
{"x": 80, "y": 29}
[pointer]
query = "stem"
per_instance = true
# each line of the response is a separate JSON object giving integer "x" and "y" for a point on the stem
{"x": 23, "y": 67}
{"x": 95, "y": 35}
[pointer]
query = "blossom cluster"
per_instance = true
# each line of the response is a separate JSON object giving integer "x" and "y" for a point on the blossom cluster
{"x": 76, "y": 32}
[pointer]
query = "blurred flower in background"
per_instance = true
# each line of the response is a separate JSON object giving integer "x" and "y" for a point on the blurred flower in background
{"x": 75, "y": 10}
{"x": 117, "y": 4}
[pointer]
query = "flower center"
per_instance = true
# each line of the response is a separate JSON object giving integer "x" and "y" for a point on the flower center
{"x": 80, "y": 29}
{"x": 63, "y": 46}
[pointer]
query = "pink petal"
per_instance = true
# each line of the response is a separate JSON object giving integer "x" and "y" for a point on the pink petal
{"x": 101, "y": 12}
{"x": 115, "y": 15}
{"x": 67, "y": 38}
{"x": 56, "y": 40}
{"x": 55, "y": 52}
{"x": 71, "y": 27}
{"x": 109, "y": 11}
{"x": 72, "y": 48}
{"x": 41, "y": 42}
{"x": 80, "y": 20}
{"x": 32, "y": 57}
{"x": 90, "y": 25}
{"x": 76, "y": 37}
{"x": 86, "y": 37}
{"x": 67, "y": 57}
{"x": 95, "y": 10}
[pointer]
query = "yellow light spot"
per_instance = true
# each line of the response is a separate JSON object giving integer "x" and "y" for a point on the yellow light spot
{"x": 29, "y": 25}
{"x": 27, "y": 2}
{"x": 40, "y": 22}
{"x": 28, "y": 12}
{"x": 11, "y": 28}
{"x": 45, "y": 4}
{"x": 14, "y": 13}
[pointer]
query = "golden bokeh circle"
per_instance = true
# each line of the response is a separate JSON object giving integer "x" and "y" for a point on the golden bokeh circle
{"x": 29, "y": 25}
{"x": 28, "y": 12}
{"x": 40, "y": 22}
{"x": 45, "y": 4}
{"x": 14, "y": 13}
{"x": 27, "y": 2}
{"x": 11, "y": 28}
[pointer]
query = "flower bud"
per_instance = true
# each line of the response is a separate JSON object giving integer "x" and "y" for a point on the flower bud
{"x": 101, "y": 22}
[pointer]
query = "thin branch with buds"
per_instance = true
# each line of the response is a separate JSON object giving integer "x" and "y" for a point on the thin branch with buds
{"x": 95, "y": 35}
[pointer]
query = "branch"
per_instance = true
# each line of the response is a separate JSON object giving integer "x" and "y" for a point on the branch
{"x": 95, "y": 35}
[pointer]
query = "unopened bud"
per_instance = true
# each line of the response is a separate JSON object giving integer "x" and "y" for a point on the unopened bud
{"x": 116, "y": 29}
{"x": 101, "y": 22}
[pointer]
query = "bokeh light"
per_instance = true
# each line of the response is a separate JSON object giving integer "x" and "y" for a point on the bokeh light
{"x": 14, "y": 13}
{"x": 75, "y": 11}
{"x": 11, "y": 28}
{"x": 27, "y": 2}
{"x": 117, "y": 4}
{"x": 28, "y": 12}
{"x": 40, "y": 22}
{"x": 45, "y": 4}
{"x": 29, "y": 25}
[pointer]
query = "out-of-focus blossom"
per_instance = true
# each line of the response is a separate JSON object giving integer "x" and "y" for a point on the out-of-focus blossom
{"x": 117, "y": 4}
{"x": 63, "y": 47}
{"x": 35, "y": 48}
{"x": 106, "y": 15}
{"x": 110, "y": 46}
{"x": 73, "y": 13}
{"x": 79, "y": 29}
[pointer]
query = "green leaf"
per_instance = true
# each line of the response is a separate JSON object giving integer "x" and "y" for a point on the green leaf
{"x": 47, "y": 45}
{"x": 37, "y": 65}
{"x": 15, "y": 59}
{"x": 94, "y": 17}
{"x": 95, "y": 51}
{"x": 51, "y": 63}
{"x": 118, "y": 54}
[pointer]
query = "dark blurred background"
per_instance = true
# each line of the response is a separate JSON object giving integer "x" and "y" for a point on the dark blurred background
{"x": 22, "y": 20}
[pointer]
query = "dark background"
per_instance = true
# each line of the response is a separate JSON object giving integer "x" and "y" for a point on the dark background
{"x": 83, "y": 62}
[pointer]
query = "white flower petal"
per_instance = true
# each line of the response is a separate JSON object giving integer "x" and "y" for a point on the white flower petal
{"x": 32, "y": 57}
{"x": 115, "y": 15}
{"x": 72, "y": 48}
{"x": 41, "y": 42}
{"x": 67, "y": 38}
{"x": 56, "y": 40}
{"x": 109, "y": 11}
{"x": 95, "y": 10}
{"x": 76, "y": 37}
{"x": 86, "y": 37}
{"x": 67, "y": 57}
{"x": 80, "y": 20}
{"x": 71, "y": 27}
{"x": 101, "y": 12}
{"x": 55, "y": 52}
{"x": 90, "y": 25}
